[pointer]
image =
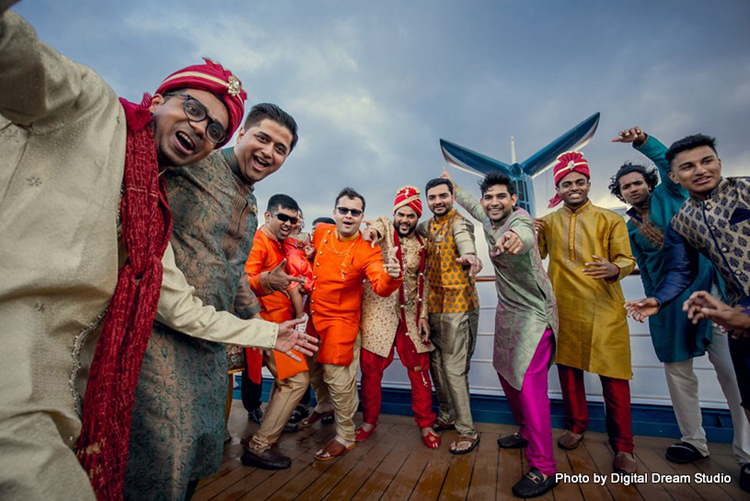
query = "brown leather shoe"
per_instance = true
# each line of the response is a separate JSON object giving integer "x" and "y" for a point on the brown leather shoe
{"x": 569, "y": 440}
{"x": 624, "y": 463}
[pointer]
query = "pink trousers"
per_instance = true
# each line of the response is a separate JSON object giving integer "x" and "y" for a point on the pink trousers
{"x": 531, "y": 408}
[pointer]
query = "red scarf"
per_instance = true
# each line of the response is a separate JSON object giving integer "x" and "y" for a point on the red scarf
{"x": 146, "y": 228}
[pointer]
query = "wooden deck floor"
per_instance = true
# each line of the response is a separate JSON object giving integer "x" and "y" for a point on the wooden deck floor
{"x": 393, "y": 464}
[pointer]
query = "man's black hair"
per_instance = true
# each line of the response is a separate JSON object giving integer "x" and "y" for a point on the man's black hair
{"x": 690, "y": 143}
{"x": 324, "y": 220}
{"x": 350, "y": 193}
{"x": 437, "y": 182}
{"x": 261, "y": 111}
{"x": 649, "y": 175}
{"x": 281, "y": 201}
{"x": 496, "y": 177}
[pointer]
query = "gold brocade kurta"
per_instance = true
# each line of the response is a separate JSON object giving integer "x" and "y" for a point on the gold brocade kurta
{"x": 593, "y": 332}
{"x": 381, "y": 315}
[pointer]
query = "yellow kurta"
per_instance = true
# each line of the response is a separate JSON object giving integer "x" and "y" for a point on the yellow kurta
{"x": 593, "y": 332}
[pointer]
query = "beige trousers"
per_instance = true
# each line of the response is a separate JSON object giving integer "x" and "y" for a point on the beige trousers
{"x": 336, "y": 388}
{"x": 284, "y": 399}
{"x": 455, "y": 337}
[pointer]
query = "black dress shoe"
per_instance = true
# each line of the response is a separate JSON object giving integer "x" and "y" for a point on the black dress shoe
{"x": 533, "y": 484}
{"x": 515, "y": 441}
{"x": 683, "y": 453}
{"x": 269, "y": 460}
{"x": 290, "y": 428}
{"x": 256, "y": 416}
{"x": 745, "y": 477}
{"x": 299, "y": 413}
{"x": 328, "y": 419}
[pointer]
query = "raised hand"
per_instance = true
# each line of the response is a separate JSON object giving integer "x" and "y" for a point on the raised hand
{"x": 392, "y": 266}
{"x": 601, "y": 269}
{"x": 641, "y": 309}
{"x": 447, "y": 175}
{"x": 370, "y": 234}
{"x": 278, "y": 280}
{"x": 290, "y": 339}
{"x": 473, "y": 262}
{"x": 631, "y": 135}
{"x": 509, "y": 242}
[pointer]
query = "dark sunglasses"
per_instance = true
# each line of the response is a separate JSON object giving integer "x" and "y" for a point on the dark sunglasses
{"x": 196, "y": 112}
{"x": 285, "y": 218}
{"x": 344, "y": 211}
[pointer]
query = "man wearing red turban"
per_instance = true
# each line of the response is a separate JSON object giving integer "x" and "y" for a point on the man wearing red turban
{"x": 589, "y": 252}
{"x": 399, "y": 319}
{"x": 84, "y": 229}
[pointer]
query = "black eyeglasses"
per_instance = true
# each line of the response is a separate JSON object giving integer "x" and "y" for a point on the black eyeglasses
{"x": 196, "y": 112}
{"x": 284, "y": 218}
{"x": 345, "y": 210}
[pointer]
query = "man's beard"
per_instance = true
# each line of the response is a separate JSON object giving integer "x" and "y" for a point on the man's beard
{"x": 408, "y": 233}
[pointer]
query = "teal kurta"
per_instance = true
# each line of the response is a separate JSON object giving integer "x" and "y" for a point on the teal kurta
{"x": 177, "y": 431}
{"x": 526, "y": 302}
{"x": 674, "y": 336}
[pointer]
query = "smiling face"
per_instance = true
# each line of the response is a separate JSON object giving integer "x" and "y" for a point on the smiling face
{"x": 440, "y": 199}
{"x": 574, "y": 189}
{"x": 497, "y": 202}
{"x": 405, "y": 220}
{"x": 279, "y": 222}
{"x": 348, "y": 224}
{"x": 178, "y": 140}
{"x": 634, "y": 189}
{"x": 262, "y": 149}
{"x": 697, "y": 170}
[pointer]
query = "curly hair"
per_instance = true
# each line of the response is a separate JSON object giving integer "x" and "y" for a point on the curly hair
{"x": 650, "y": 175}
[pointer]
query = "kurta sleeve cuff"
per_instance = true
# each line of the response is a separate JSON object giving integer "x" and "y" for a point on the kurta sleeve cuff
{"x": 182, "y": 311}
{"x": 463, "y": 236}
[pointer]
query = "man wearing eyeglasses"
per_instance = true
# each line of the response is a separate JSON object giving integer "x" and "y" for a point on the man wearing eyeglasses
{"x": 85, "y": 259}
{"x": 215, "y": 220}
{"x": 342, "y": 260}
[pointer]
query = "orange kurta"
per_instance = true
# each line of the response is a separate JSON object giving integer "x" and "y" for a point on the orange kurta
{"x": 267, "y": 254}
{"x": 339, "y": 269}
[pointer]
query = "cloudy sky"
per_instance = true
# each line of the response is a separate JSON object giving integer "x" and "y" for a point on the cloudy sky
{"x": 375, "y": 85}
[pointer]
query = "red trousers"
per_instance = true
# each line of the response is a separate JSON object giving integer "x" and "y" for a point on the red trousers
{"x": 417, "y": 366}
{"x": 616, "y": 402}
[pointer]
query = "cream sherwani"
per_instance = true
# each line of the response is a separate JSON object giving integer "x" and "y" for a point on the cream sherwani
{"x": 62, "y": 149}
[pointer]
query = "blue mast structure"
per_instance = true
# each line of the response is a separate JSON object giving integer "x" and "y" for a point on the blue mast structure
{"x": 523, "y": 173}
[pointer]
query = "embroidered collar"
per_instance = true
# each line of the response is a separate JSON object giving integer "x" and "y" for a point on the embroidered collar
{"x": 713, "y": 194}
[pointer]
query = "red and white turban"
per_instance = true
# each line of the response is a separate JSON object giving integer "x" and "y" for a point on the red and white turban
{"x": 408, "y": 195}
{"x": 214, "y": 78}
{"x": 570, "y": 161}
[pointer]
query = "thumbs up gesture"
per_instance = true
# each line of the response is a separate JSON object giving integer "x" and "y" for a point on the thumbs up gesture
{"x": 392, "y": 266}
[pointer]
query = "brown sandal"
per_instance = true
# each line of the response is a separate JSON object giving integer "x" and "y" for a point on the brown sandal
{"x": 474, "y": 441}
{"x": 313, "y": 418}
{"x": 332, "y": 450}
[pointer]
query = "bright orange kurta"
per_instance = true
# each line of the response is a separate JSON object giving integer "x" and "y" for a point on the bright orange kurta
{"x": 266, "y": 255}
{"x": 339, "y": 269}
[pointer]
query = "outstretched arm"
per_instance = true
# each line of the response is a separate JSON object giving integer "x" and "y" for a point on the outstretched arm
{"x": 182, "y": 311}
{"x": 39, "y": 87}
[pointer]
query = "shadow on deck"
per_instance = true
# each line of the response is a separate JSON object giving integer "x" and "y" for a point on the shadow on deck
{"x": 393, "y": 464}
